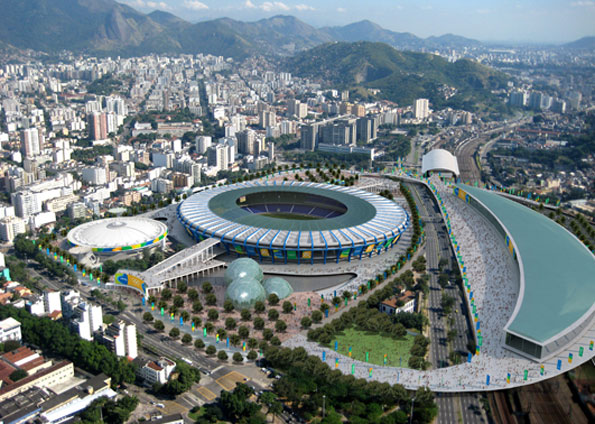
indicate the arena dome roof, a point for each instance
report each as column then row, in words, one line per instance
column 279, row 286
column 243, row 268
column 118, row 234
column 439, row 160
column 245, row 292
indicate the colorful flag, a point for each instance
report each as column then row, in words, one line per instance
column 541, row 370
column 525, row 375
column 559, row 364
column 508, row 377
column 336, row 362
column 488, row 380
column 570, row 358
column 367, row 356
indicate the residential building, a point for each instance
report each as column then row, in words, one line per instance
column 11, row 226
column 157, row 371
column 120, row 338
column 421, row 109
column 98, row 126
column 95, row 175
column 31, row 142
column 203, row 142
column 405, row 302
column 10, row 329
column 87, row 319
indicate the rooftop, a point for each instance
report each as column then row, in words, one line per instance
column 558, row 270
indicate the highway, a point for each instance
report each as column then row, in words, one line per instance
column 451, row 408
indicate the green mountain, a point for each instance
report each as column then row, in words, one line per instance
column 585, row 43
column 400, row 76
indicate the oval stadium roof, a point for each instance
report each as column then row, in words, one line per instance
column 439, row 160
column 558, row 291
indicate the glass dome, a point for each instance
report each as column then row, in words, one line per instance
column 279, row 286
column 245, row 292
column 243, row 268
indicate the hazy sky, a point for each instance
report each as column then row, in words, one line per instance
column 502, row 20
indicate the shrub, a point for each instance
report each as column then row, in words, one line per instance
column 199, row 344
column 237, row 357
column 222, row 356
column 273, row 314
column 211, row 350
column 273, row 299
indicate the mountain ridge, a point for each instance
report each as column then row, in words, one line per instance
column 107, row 27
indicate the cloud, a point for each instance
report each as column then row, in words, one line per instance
column 269, row 6
column 303, row 7
column 583, row 3
column 195, row 5
column 249, row 5
column 157, row 5
column 341, row 10
column 483, row 11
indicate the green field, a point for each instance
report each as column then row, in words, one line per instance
column 376, row 345
column 287, row 215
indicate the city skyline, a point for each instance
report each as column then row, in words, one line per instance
column 550, row 21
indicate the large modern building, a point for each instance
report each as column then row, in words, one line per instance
column 556, row 302
column 115, row 235
column 298, row 222
column 439, row 160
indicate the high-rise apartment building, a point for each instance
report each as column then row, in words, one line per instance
column 421, row 109
column 87, row 319
column 11, row 226
column 97, row 126
column 31, row 142
column 309, row 137
column 26, row 203
column 120, row 338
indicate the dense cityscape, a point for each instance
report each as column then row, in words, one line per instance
column 368, row 228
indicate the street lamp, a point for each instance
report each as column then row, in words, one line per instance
column 323, row 405
column 411, row 413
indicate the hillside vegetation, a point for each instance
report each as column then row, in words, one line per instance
column 401, row 76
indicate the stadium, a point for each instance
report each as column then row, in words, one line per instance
column 111, row 236
column 294, row 221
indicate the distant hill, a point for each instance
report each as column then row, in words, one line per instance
column 401, row 76
column 585, row 43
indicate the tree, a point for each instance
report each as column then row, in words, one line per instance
column 178, row 301
column 230, row 323
column 273, row 314
column 273, row 299
column 207, row 287
column 199, row 344
column 182, row 287
column 196, row 307
column 243, row 332
column 252, row 355
column 316, row 316
column 246, row 315
column 234, row 339
column 147, row 317
column 211, row 350
column 193, row 295
column 228, row 306
column 166, row 294
column 237, row 357
column 18, row 374
column 159, row 326
column 259, row 307
column 267, row 334
column 447, row 303
column 211, row 299
column 212, row 315
column 186, row 338
column 287, row 307
column 222, row 356
column 306, row 322
column 275, row 341
column 174, row 333
column 258, row 323
column 280, row 326
column 186, row 377
column 185, row 315
column 196, row 321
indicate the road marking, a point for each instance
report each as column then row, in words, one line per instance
column 217, row 369
column 206, row 393
column 229, row 381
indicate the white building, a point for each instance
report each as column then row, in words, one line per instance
column 421, row 109
column 203, row 142
column 10, row 329
column 26, row 203
column 94, row 175
column 120, row 338
column 87, row 319
column 52, row 301
column 157, row 371
column 165, row 160
column 31, row 142
column 10, row 226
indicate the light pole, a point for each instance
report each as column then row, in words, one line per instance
column 323, row 405
column 411, row 413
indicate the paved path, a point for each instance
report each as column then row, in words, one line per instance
column 494, row 360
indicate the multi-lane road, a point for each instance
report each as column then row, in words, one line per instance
column 463, row 408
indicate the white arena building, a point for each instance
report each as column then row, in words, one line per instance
column 111, row 236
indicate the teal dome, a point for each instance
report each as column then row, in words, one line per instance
column 279, row 286
column 245, row 292
column 243, row 268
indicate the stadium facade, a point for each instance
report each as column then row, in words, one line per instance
column 297, row 222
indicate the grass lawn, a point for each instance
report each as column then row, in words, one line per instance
column 196, row 415
column 377, row 346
